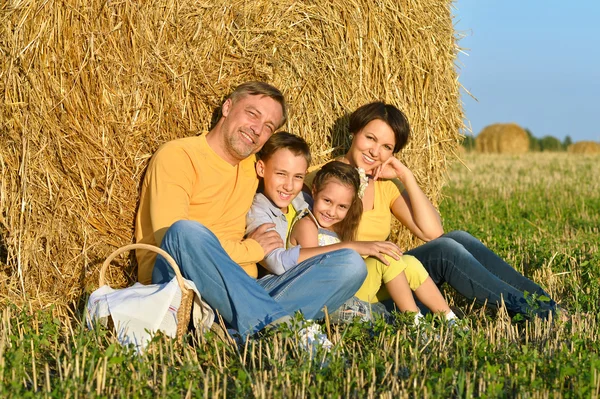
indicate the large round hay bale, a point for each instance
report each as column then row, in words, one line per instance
column 91, row 88
column 504, row 138
column 584, row 147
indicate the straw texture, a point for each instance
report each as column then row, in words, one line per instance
column 92, row 88
column 504, row 138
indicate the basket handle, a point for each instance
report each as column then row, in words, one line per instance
column 148, row 247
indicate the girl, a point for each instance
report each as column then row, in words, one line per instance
column 335, row 217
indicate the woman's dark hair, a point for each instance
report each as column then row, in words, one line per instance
column 385, row 112
column 347, row 175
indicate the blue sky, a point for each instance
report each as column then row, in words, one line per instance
column 533, row 62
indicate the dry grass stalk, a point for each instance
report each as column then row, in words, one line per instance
column 504, row 138
column 92, row 88
column 584, row 147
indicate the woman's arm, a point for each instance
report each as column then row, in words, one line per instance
column 305, row 234
column 412, row 208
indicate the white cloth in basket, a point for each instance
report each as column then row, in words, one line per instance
column 141, row 310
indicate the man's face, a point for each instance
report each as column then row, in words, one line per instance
column 283, row 176
column 248, row 123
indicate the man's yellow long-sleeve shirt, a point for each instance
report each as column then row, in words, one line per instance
column 187, row 180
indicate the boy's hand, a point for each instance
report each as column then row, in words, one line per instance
column 268, row 239
column 378, row 249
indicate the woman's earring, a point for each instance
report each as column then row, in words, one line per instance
column 351, row 136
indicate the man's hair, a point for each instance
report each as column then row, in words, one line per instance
column 386, row 113
column 347, row 175
column 284, row 140
column 258, row 89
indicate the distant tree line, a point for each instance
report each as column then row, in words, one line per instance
column 546, row 143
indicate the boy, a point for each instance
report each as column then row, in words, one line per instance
column 282, row 165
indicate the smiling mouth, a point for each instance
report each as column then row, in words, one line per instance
column 284, row 196
column 247, row 137
column 367, row 159
column 326, row 218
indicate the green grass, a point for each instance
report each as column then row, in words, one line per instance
column 539, row 211
column 533, row 210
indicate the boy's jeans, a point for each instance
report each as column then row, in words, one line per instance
column 247, row 304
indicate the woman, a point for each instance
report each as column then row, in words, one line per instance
column 380, row 130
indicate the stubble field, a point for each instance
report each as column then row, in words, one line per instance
column 539, row 211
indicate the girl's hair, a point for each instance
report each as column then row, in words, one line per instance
column 347, row 175
column 386, row 113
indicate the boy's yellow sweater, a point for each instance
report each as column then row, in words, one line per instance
column 187, row 180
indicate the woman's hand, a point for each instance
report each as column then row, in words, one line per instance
column 377, row 249
column 392, row 168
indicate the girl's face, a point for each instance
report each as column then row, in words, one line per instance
column 372, row 145
column 331, row 204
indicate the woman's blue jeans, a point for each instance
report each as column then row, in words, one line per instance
column 248, row 304
column 479, row 274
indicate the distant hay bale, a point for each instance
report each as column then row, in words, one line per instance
column 584, row 147
column 91, row 88
column 504, row 138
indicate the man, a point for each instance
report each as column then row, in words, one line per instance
column 194, row 200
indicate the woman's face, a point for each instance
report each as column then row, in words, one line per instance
column 372, row 146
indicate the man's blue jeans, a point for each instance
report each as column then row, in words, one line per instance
column 478, row 273
column 248, row 304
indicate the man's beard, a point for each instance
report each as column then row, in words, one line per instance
column 238, row 149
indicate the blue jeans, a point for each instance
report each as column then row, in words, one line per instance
column 247, row 304
column 479, row 274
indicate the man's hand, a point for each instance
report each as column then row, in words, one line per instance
column 377, row 249
column 268, row 239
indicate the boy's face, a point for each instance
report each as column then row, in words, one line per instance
column 283, row 176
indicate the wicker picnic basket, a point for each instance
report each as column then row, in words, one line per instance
column 187, row 295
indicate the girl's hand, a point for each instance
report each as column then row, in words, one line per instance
column 392, row 168
column 377, row 249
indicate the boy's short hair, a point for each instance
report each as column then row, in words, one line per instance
column 284, row 140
